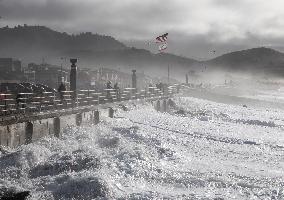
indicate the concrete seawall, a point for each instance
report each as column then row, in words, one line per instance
column 16, row 134
column 24, row 129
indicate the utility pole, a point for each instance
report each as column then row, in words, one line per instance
column 59, row 81
column 186, row 78
column 134, row 80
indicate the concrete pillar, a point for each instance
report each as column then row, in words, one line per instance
column 110, row 112
column 73, row 78
column 96, row 117
column 158, row 105
column 165, row 105
column 56, row 125
column 79, row 119
column 29, row 132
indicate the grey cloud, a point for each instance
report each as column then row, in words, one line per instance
column 194, row 26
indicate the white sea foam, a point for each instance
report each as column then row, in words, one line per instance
column 207, row 151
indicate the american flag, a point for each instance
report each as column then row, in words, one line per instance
column 163, row 47
column 162, row 38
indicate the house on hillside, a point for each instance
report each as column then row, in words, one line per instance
column 50, row 75
column 11, row 70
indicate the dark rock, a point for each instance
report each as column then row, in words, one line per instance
column 172, row 104
column 82, row 188
column 74, row 162
column 180, row 112
column 10, row 194
column 123, row 107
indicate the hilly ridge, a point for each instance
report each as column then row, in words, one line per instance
column 254, row 59
column 33, row 43
column 24, row 40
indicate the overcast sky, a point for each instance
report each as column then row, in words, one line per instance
column 195, row 27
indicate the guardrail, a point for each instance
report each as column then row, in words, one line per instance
column 24, row 103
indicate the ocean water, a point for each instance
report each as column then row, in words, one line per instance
column 269, row 95
column 197, row 150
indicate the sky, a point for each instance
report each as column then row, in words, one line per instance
column 198, row 29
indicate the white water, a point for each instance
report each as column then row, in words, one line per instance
column 207, row 151
column 268, row 95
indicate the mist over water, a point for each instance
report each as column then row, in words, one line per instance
column 199, row 150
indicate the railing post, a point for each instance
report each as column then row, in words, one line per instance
column 110, row 112
column 158, row 105
column 29, row 132
column 56, row 125
column 96, row 117
column 145, row 93
column 88, row 97
column 165, row 105
column 79, row 119
column 5, row 102
column 54, row 102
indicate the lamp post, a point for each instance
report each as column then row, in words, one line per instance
column 73, row 78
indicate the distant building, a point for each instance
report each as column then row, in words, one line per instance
column 101, row 76
column 10, row 65
column 29, row 76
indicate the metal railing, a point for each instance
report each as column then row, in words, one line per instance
column 25, row 103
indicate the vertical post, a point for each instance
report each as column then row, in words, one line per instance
column 79, row 119
column 88, row 99
column 5, row 100
column 73, row 78
column 110, row 112
column 96, row 117
column 168, row 74
column 186, row 78
column 56, row 125
column 158, row 105
column 165, row 105
column 134, row 84
column 29, row 132
column 134, row 80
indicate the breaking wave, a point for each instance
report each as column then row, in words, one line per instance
column 207, row 151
